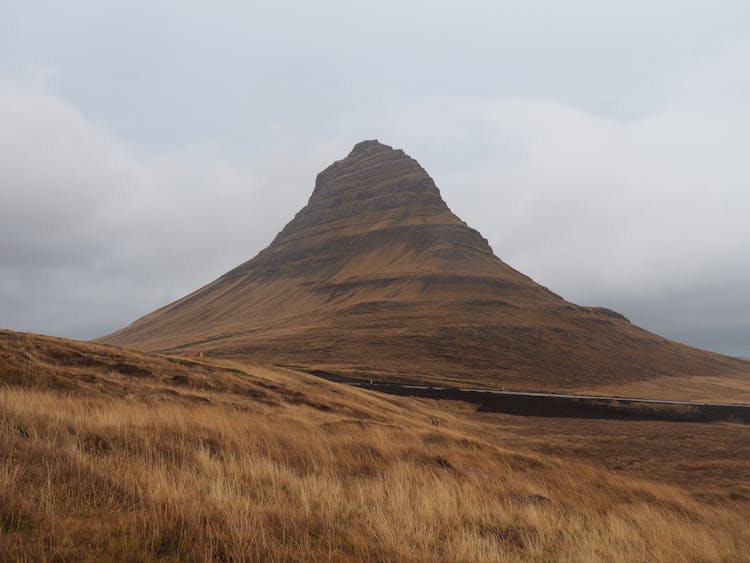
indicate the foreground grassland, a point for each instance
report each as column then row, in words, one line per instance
column 112, row 455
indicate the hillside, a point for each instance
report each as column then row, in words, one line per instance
column 110, row 454
column 376, row 277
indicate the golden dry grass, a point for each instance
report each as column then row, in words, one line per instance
column 731, row 388
column 141, row 468
column 92, row 479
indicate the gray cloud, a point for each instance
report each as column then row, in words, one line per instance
column 602, row 151
column 93, row 234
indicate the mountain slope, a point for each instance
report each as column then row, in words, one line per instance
column 376, row 276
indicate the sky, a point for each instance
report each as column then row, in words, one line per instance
column 601, row 147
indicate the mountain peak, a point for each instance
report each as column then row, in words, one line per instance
column 372, row 165
column 376, row 275
column 371, row 145
column 373, row 185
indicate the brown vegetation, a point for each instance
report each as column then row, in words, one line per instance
column 112, row 455
column 729, row 388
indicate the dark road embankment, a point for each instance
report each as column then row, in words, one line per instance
column 559, row 405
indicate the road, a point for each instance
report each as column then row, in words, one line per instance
column 528, row 403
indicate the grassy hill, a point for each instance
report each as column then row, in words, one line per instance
column 110, row 454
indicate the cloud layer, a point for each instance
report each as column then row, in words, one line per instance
column 93, row 234
column 117, row 198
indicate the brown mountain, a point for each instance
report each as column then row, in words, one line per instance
column 375, row 276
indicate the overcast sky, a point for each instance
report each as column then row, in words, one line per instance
column 603, row 148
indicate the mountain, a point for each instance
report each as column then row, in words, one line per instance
column 376, row 277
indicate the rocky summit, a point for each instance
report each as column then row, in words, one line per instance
column 376, row 277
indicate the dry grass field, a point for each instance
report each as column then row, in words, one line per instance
column 108, row 454
column 711, row 461
column 730, row 388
